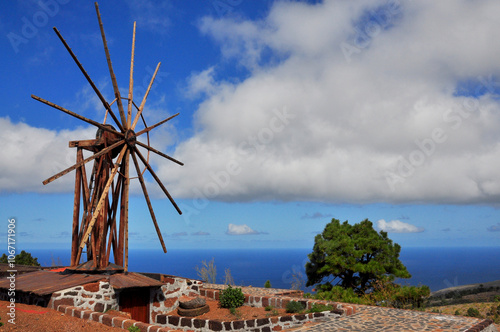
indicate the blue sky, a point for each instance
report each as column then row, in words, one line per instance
column 291, row 113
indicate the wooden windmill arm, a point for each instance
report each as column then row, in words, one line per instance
column 98, row 93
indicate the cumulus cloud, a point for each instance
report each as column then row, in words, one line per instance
column 397, row 226
column 494, row 228
column 244, row 229
column 379, row 121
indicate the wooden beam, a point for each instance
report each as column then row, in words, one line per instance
column 159, row 153
column 110, row 67
column 124, row 206
column 76, row 210
column 94, row 87
column 82, row 143
column 92, row 122
column 141, row 108
column 145, row 130
column 144, row 161
column 103, row 195
column 83, row 162
column 131, row 82
column 150, row 207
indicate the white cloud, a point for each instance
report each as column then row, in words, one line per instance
column 397, row 226
column 384, row 127
column 30, row 155
column 233, row 229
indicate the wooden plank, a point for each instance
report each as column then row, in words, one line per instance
column 103, row 195
column 82, row 143
column 124, row 206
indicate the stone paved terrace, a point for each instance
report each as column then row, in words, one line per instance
column 378, row 319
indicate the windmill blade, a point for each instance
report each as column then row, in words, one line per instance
column 144, row 161
column 131, row 82
column 98, row 93
column 110, row 66
column 69, row 169
column 150, row 207
column 92, row 122
column 145, row 130
column 159, row 153
column 102, row 200
column 141, row 108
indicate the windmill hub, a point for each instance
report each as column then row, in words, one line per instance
column 130, row 137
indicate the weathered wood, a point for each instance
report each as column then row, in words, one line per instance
column 141, row 108
column 150, row 207
column 92, row 122
column 110, row 67
column 131, row 82
column 124, row 207
column 145, row 130
column 83, row 162
column 94, row 87
column 157, row 180
column 82, row 143
column 76, row 210
column 159, row 153
column 103, row 195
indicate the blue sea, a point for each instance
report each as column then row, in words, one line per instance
column 435, row 267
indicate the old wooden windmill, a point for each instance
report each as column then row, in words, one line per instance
column 103, row 226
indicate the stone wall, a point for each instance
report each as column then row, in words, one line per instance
column 166, row 298
column 97, row 296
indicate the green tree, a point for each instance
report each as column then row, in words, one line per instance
column 24, row 258
column 267, row 284
column 353, row 257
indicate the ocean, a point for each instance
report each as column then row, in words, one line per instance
column 437, row 268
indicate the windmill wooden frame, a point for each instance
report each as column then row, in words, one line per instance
column 104, row 196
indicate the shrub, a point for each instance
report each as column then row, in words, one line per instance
column 457, row 312
column 267, row 284
column 294, row 307
column 316, row 307
column 473, row 312
column 231, row 297
column 268, row 308
column 134, row 329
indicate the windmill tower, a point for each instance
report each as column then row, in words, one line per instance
column 100, row 211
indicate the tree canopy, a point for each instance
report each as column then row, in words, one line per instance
column 353, row 256
column 24, row 258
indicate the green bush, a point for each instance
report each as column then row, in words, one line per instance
column 268, row 308
column 294, row 307
column 473, row 312
column 316, row 307
column 134, row 329
column 457, row 312
column 267, row 284
column 231, row 297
